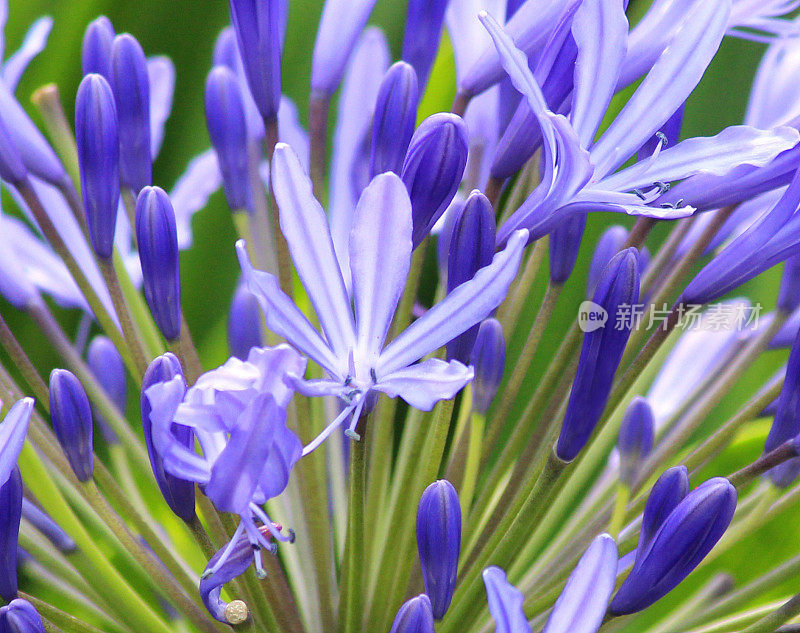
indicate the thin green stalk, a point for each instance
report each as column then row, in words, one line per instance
column 351, row 599
column 769, row 623
column 620, row 506
column 522, row 365
column 65, row 621
column 665, row 253
column 396, row 566
column 457, row 457
column 318, row 107
column 23, row 363
column 48, row 102
column 183, row 347
column 129, row 330
column 121, row 596
column 103, row 316
column 477, row 423
column 510, row 309
column 140, row 312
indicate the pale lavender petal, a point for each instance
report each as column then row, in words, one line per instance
column 667, row 85
column 583, row 602
column 161, row 73
column 290, row 130
column 380, row 257
column 774, row 98
column 467, row 305
column 426, row 383
column 505, row 602
column 283, row 317
column 3, row 20
column 12, row 436
column 33, row 44
column 340, row 26
column 715, row 155
column 351, row 140
column 305, row 227
column 192, row 191
column 600, row 29
column 467, row 35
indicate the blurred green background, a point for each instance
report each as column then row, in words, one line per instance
column 186, row 30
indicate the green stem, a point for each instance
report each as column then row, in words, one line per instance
column 48, row 102
column 509, row 311
column 140, row 312
column 477, row 424
column 620, row 506
column 63, row 620
column 23, row 364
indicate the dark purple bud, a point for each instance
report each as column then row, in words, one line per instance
column 10, row 514
column 215, row 576
column 20, row 616
column 609, row 244
column 786, row 423
column 260, row 28
column 96, row 52
column 72, row 421
column 607, row 329
column 565, row 242
column 178, row 493
column 245, row 324
column 439, row 542
column 108, row 367
column 687, row 535
column 157, row 239
column 423, row 33
column 394, row 119
column 98, row 154
column 12, row 167
column 668, row 491
column 635, row 437
column 227, row 127
column 488, row 360
column 433, row 168
column 472, row 242
column 42, row 522
column 789, row 294
column 414, row 616
column 131, row 86
column 668, row 135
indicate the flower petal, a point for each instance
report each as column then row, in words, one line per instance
column 424, row 384
column 305, row 226
column 672, row 78
column 380, row 257
column 505, row 602
column 282, row 316
column 467, row 305
column 12, row 436
column 192, row 191
column 33, row 44
column 716, row 155
column 161, row 73
column 600, row 29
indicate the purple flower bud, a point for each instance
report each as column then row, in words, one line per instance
column 423, row 33
column 789, row 295
column 394, row 119
column 260, row 28
column 157, row 238
column 108, row 367
column 227, row 127
column 20, row 616
column 98, row 155
column 689, row 533
column 601, row 352
column 42, row 522
column 488, row 360
column 244, row 323
column 178, row 493
column 339, row 29
column 72, row 421
column 12, row 167
column 433, row 168
column 96, row 52
column 472, row 243
column 668, row 491
column 635, row 437
column 414, row 616
column 565, row 242
column 131, row 86
column 786, row 423
column 11, row 506
column 439, row 542
column 609, row 244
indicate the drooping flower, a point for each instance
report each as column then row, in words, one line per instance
column 352, row 353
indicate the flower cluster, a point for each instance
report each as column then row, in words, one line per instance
column 386, row 385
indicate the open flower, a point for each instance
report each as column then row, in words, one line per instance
column 352, row 352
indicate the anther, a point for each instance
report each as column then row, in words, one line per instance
column 236, row 612
column 352, row 435
column 373, row 374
